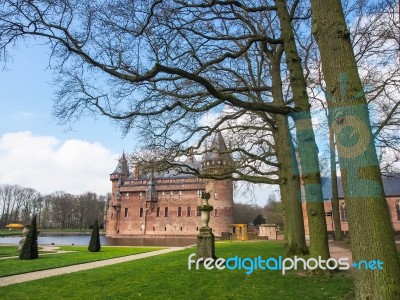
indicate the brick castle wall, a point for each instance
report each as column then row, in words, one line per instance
column 175, row 212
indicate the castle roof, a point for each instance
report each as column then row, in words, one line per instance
column 391, row 186
column 122, row 166
column 218, row 149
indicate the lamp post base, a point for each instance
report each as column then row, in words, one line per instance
column 206, row 243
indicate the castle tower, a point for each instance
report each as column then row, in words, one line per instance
column 217, row 160
column 118, row 177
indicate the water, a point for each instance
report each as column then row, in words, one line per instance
column 83, row 240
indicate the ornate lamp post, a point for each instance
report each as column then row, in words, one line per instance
column 205, row 239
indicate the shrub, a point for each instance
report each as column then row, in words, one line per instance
column 94, row 244
column 30, row 247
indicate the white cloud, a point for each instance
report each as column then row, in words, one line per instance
column 47, row 164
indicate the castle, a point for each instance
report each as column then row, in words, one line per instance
column 165, row 204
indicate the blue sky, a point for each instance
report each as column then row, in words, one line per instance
column 37, row 152
column 26, row 101
column 28, row 130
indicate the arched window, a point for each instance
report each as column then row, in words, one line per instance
column 343, row 212
column 398, row 210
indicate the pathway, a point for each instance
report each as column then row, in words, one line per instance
column 338, row 249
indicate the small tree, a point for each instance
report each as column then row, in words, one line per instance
column 94, row 244
column 259, row 220
column 30, row 247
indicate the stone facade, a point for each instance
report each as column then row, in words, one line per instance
column 271, row 231
column 165, row 205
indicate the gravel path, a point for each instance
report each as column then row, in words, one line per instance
column 76, row 268
column 340, row 249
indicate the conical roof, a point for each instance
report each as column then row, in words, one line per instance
column 122, row 167
column 218, row 149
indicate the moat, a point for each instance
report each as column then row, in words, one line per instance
column 83, row 240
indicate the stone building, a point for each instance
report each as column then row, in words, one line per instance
column 165, row 205
column 391, row 187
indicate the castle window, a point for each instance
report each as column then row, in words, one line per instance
column 181, row 228
column 165, row 228
column 154, row 229
column 126, row 212
column 126, row 195
column 198, row 213
column 216, row 212
column 188, row 211
column 171, row 194
column 140, row 195
column 179, row 211
column 158, row 212
column 141, row 212
column 398, row 210
column 198, row 193
column 215, row 195
column 166, row 212
column 180, row 194
column 162, row 194
column 343, row 212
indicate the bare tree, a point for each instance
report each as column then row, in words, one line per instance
column 363, row 188
column 62, row 209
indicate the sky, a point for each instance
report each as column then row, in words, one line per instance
column 37, row 152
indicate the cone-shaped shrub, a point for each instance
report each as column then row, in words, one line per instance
column 94, row 245
column 30, row 247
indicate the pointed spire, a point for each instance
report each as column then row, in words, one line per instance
column 122, row 166
column 218, row 150
column 218, row 143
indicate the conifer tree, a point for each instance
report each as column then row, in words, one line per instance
column 30, row 247
column 94, row 244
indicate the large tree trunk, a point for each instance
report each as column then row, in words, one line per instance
column 369, row 220
column 288, row 171
column 335, row 195
column 290, row 190
column 308, row 151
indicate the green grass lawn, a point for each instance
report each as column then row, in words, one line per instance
column 10, row 232
column 14, row 266
column 167, row 277
column 7, row 251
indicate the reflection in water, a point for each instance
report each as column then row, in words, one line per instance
column 168, row 242
column 83, row 240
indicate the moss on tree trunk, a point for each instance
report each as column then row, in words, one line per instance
column 308, row 152
column 288, row 169
column 368, row 216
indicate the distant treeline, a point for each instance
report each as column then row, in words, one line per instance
column 57, row 210
column 271, row 213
